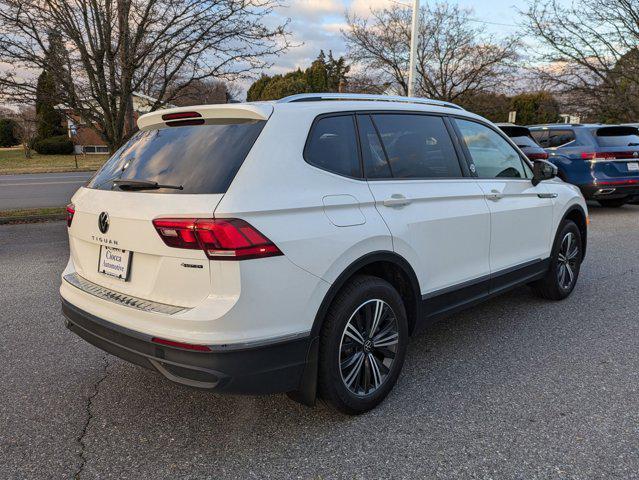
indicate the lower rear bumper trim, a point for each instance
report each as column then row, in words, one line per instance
column 271, row 368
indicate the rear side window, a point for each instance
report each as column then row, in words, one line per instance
column 416, row 146
column 558, row 138
column 332, row 146
column 200, row 159
column 540, row 136
column 617, row 137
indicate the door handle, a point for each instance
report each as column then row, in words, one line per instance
column 494, row 195
column 396, row 200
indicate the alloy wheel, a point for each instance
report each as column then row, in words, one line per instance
column 567, row 261
column 368, row 347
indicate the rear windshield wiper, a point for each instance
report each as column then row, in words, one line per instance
column 143, row 185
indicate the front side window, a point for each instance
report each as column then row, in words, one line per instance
column 332, row 146
column 492, row 155
column 416, row 146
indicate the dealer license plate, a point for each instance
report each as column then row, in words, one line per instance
column 115, row 262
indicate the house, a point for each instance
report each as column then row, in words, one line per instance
column 88, row 141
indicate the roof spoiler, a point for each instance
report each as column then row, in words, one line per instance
column 196, row 114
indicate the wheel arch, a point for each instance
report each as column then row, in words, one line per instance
column 384, row 264
column 577, row 214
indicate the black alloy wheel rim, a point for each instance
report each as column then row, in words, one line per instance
column 567, row 261
column 368, row 347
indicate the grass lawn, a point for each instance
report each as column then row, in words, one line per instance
column 27, row 215
column 12, row 161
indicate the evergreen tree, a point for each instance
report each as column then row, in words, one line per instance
column 337, row 71
column 7, row 132
column 324, row 75
column 534, row 108
column 47, row 93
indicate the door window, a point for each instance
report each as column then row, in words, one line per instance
column 491, row 154
column 414, row 146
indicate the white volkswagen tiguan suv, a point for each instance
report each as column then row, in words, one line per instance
column 295, row 246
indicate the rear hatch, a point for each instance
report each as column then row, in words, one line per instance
column 617, row 155
column 179, row 165
column 522, row 137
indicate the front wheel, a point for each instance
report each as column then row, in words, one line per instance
column 565, row 263
column 362, row 345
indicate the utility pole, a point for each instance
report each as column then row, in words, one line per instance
column 414, row 35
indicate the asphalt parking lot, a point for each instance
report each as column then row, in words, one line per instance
column 515, row 388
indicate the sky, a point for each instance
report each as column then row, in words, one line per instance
column 316, row 24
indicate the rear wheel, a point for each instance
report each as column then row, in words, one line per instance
column 613, row 203
column 362, row 345
column 565, row 263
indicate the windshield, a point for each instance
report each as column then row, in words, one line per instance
column 200, row 159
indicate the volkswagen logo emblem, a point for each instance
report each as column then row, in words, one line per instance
column 103, row 222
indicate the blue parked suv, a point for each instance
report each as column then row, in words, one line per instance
column 602, row 160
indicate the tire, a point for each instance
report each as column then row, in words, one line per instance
column 356, row 372
column 613, row 203
column 557, row 285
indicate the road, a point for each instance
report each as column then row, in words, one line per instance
column 517, row 388
column 39, row 189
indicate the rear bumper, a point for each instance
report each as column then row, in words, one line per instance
column 253, row 369
column 603, row 192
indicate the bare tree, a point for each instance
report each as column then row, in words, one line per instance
column 363, row 82
column 26, row 128
column 101, row 52
column 205, row 92
column 588, row 51
column 454, row 56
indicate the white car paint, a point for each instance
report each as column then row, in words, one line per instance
column 449, row 233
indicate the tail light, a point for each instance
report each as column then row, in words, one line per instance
column 220, row 239
column 538, row 156
column 70, row 213
column 607, row 155
column 627, row 181
column 181, row 119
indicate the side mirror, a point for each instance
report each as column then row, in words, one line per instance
column 543, row 170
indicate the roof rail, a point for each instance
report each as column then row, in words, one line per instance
column 316, row 97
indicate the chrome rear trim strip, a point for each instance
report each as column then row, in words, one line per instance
column 120, row 298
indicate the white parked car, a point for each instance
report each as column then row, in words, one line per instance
column 296, row 246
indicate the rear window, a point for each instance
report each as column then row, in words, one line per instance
column 200, row 159
column 520, row 135
column 524, row 142
column 617, row 137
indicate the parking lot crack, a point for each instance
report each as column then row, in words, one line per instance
column 89, row 417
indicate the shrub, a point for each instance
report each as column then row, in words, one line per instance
column 58, row 145
column 7, row 132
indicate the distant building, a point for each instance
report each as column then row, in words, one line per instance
column 87, row 140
